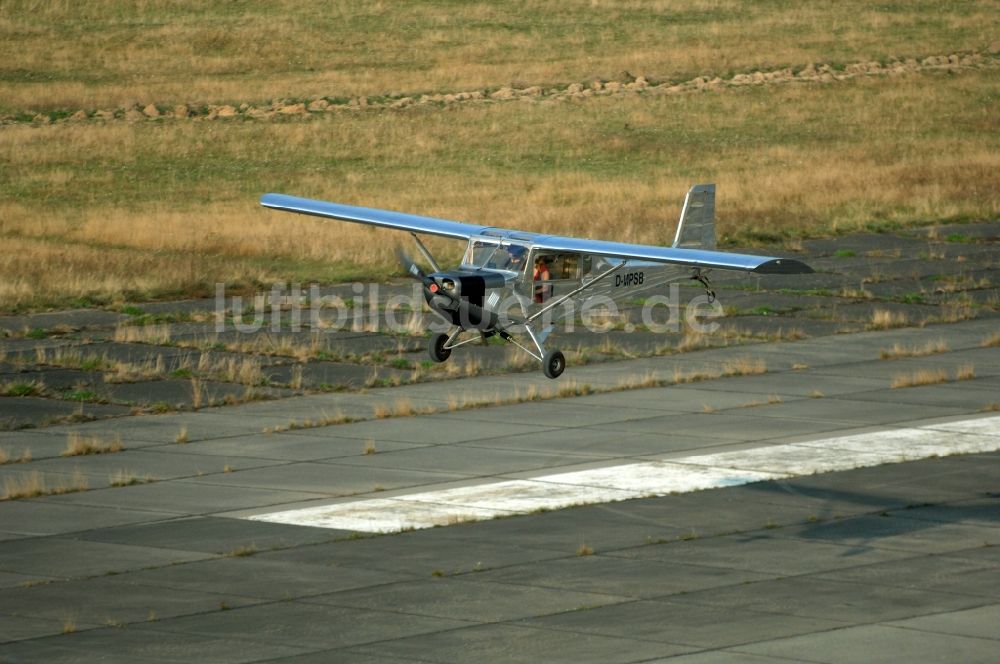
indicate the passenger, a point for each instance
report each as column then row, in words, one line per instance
column 542, row 291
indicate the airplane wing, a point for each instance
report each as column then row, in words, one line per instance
column 398, row 220
column 455, row 229
column 690, row 257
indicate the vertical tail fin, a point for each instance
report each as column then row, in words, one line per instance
column 696, row 229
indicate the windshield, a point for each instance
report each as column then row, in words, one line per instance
column 491, row 255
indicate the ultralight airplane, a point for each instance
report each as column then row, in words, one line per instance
column 542, row 272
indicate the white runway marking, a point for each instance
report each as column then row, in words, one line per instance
column 647, row 479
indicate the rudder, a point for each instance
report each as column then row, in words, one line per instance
column 696, row 228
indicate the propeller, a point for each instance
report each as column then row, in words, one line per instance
column 410, row 266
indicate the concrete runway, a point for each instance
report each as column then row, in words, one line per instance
column 891, row 562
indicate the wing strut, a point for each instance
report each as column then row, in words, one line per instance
column 427, row 254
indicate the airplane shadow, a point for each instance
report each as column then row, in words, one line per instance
column 888, row 513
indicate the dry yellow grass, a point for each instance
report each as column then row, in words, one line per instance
column 6, row 457
column 594, row 168
column 744, row 366
column 73, row 358
column 124, row 477
column 572, row 388
column 369, row 447
column 243, row 551
column 130, row 372
column 403, row 408
column 692, row 340
column 197, row 398
column 26, row 485
column 921, row 377
column 646, row 379
column 883, row 319
column 296, row 378
column 772, row 399
column 156, row 51
column 681, row 376
column 146, row 334
column 78, row 444
column 182, row 435
column 899, row 350
column 245, row 370
column 991, row 341
column 965, row 372
column 957, row 310
column 32, row 485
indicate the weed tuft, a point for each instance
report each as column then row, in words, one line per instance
column 744, row 366
column 991, row 341
column 32, row 485
column 243, row 551
column 6, row 457
column 883, row 319
column 79, row 445
column 917, row 378
column 125, row 477
column 898, row 350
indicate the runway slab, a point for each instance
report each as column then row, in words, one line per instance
column 863, row 564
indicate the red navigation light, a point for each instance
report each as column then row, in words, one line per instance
column 433, row 288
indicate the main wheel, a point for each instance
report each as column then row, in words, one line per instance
column 553, row 364
column 436, row 348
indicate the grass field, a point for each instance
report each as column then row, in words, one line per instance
column 99, row 212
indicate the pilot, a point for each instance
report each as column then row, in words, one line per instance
column 515, row 258
column 542, row 291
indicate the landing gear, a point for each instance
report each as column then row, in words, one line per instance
column 438, row 349
column 553, row 364
column 702, row 279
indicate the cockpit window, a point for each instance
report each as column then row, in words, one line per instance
column 496, row 256
column 479, row 252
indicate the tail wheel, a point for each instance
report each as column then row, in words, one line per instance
column 436, row 348
column 553, row 364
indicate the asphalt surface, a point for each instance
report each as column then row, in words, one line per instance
column 887, row 563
